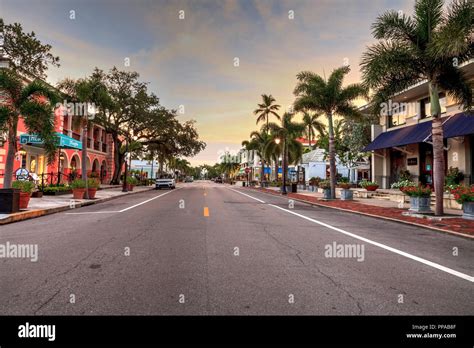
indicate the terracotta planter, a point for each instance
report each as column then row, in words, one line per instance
column 92, row 192
column 78, row 193
column 24, row 199
column 130, row 187
column 372, row 187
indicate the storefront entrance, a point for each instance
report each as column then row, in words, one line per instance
column 426, row 164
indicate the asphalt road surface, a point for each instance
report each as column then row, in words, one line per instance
column 208, row 248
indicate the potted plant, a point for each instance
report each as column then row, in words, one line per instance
column 420, row 198
column 346, row 193
column 78, row 188
column 92, row 186
column 325, row 185
column 131, row 182
column 26, row 189
column 465, row 195
column 369, row 185
column 314, row 183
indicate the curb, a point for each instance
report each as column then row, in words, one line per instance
column 21, row 216
column 462, row 235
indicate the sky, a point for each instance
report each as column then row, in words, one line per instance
column 217, row 60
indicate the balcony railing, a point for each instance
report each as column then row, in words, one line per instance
column 76, row 136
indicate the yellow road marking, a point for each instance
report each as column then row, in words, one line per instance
column 206, row 211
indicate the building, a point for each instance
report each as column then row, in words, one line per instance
column 68, row 164
column 402, row 140
column 315, row 164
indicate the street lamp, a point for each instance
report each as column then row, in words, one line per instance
column 283, row 188
column 3, row 139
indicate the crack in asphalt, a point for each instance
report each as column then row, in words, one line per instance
column 46, row 302
column 298, row 252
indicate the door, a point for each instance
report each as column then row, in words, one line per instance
column 426, row 164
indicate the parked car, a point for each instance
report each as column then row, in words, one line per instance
column 165, row 183
column 218, row 180
column 189, row 179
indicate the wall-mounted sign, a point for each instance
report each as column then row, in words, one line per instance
column 412, row 161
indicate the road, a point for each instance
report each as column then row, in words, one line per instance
column 208, row 248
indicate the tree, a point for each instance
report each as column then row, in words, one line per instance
column 329, row 98
column 428, row 46
column 257, row 142
column 35, row 102
column 84, row 92
column 26, row 53
column 312, row 125
column 263, row 112
column 286, row 134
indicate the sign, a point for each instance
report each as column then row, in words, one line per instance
column 248, row 170
column 63, row 141
column 22, row 174
column 412, row 161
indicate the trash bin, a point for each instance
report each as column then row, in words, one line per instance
column 9, row 201
column 243, row 183
column 294, row 188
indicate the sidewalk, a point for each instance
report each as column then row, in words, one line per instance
column 54, row 204
column 387, row 210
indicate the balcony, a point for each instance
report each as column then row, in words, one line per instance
column 96, row 146
column 76, row 136
column 104, row 147
column 89, row 143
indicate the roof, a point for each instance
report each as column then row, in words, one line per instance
column 453, row 126
column 313, row 156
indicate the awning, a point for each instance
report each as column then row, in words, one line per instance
column 454, row 126
column 63, row 142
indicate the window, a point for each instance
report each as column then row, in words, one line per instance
column 398, row 116
column 425, row 106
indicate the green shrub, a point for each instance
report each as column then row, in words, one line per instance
column 454, row 176
column 314, row 181
column 24, row 186
column 325, row 184
column 366, row 183
column 131, row 180
column 403, row 183
column 78, row 184
column 405, row 175
column 93, row 183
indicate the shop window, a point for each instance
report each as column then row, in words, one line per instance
column 33, row 164
column 425, row 106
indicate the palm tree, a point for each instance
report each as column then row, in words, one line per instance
column 428, row 46
column 329, row 98
column 86, row 92
column 263, row 112
column 312, row 125
column 257, row 142
column 286, row 134
column 35, row 102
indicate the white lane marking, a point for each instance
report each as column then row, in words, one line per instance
column 148, row 200
column 94, row 212
column 247, row 195
column 383, row 246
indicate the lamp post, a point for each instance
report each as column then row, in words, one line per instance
column 125, row 174
column 283, row 188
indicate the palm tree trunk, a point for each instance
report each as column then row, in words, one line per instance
column 285, row 165
column 276, row 168
column 117, row 160
column 332, row 157
column 438, row 148
column 8, row 173
column 262, row 172
column 84, row 157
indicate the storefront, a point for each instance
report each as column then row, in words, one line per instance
column 409, row 150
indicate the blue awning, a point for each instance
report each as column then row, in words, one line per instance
column 454, row 126
column 63, row 142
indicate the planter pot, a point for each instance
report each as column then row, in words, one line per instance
column 24, row 199
column 78, row 193
column 420, row 205
column 9, row 201
column 372, row 187
column 468, row 210
column 326, row 193
column 37, row 194
column 347, row 195
column 91, row 192
column 130, row 187
column 57, row 193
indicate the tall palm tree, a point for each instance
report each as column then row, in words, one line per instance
column 257, row 142
column 35, row 102
column 266, row 108
column 85, row 91
column 263, row 112
column 428, row 46
column 329, row 98
column 287, row 133
column 312, row 125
